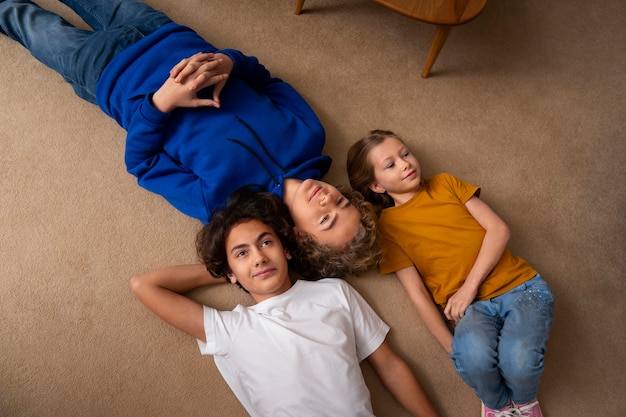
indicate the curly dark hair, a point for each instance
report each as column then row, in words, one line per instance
column 248, row 203
column 314, row 260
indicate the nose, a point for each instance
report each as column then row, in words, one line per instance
column 324, row 199
column 258, row 257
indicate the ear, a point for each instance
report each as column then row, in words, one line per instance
column 232, row 278
column 300, row 235
column 287, row 254
column 376, row 188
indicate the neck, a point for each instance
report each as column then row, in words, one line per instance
column 402, row 198
column 290, row 186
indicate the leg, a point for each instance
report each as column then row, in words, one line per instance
column 523, row 337
column 475, row 353
column 78, row 55
column 298, row 8
column 441, row 35
column 107, row 14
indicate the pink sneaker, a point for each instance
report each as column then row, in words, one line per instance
column 530, row 409
column 508, row 411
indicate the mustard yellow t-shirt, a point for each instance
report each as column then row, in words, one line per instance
column 435, row 232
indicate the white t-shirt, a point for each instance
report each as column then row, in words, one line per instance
column 297, row 354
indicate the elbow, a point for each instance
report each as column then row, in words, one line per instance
column 500, row 230
column 505, row 232
column 136, row 285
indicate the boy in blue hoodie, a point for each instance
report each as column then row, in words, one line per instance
column 201, row 122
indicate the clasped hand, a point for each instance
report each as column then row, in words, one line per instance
column 190, row 76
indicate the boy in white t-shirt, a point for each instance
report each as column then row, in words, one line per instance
column 297, row 350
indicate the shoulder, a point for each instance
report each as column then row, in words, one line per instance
column 459, row 188
column 443, row 179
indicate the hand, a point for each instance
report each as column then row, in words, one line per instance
column 458, row 303
column 190, row 76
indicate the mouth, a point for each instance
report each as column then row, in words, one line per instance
column 410, row 175
column 265, row 273
column 315, row 192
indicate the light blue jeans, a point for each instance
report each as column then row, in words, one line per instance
column 79, row 55
column 499, row 345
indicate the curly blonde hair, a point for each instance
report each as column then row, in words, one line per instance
column 314, row 260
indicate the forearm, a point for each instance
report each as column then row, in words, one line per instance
column 426, row 308
column 162, row 291
column 491, row 250
column 494, row 242
column 436, row 325
column 179, row 279
column 402, row 383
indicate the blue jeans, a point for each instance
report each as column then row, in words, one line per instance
column 499, row 345
column 79, row 55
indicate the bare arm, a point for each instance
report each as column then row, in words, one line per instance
column 162, row 292
column 400, row 380
column 497, row 235
column 426, row 308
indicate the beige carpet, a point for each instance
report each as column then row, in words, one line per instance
column 527, row 101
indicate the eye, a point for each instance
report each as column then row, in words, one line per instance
column 324, row 219
column 240, row 254
column 341, row 200
column 266, row 243
column 390, row 165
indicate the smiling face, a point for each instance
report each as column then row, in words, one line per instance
column 320, row 210
column 257, row 260
column 396, row 170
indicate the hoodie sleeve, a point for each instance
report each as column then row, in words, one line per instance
column 155, row 170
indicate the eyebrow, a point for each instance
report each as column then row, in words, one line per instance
column 245, row 245
column 347, row 204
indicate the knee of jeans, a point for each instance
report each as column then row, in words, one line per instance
column 520, row 363
column 473, row 354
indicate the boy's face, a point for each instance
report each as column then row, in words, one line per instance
column 319, row 209
column 257, row 260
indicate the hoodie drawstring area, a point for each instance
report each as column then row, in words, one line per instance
column 251, row 151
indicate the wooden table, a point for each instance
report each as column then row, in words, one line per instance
column 445, row 14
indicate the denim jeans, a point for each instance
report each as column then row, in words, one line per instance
column 499, row 345
column 79, row 55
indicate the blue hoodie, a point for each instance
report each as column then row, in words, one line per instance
column 195, row 158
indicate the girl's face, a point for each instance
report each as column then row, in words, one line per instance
column 320, row 210
column 396, row 170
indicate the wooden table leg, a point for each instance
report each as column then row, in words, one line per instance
column 441, row 34
column 299, row 4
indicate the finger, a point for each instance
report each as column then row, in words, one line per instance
column 205, row 79
column 200, row 73
column 208, row 68
column 178, row 68
column 190, row 65
column 218, row 88
column 190, row 68
column 206, row 102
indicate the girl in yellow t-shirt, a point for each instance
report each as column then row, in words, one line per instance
column 446, row 245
